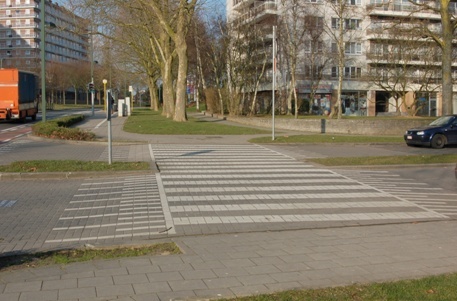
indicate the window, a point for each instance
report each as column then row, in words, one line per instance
column 348, row 23
column 334, row 48
column 353, row 48
column 313, row 46
column 18, row 42
column 349, row 72
column 352, row 72
column 307, row 46
column 354, row 2
column 313, row 71
column 352, row 24
column 314, row 22
column 27, row 52
column 379, row 49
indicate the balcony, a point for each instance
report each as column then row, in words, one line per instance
column 258, row 13
column 396, row 9
column 407, row 59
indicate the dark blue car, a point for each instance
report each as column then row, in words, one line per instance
column 441, row 132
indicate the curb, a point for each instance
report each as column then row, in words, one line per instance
column 68, row 175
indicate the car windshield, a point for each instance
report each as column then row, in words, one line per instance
column 442, row 120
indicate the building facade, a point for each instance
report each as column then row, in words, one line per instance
column 20, row 35
column 388, row 68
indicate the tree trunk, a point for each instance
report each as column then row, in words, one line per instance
column 168, row 95
column 181, row 83
column 447, row 82
column 153, row 93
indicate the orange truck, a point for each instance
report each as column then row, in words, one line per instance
column 18, row 95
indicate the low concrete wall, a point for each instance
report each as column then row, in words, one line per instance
column 370, row 126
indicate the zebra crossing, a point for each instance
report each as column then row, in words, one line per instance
column 206, row 189
column 112, row 208
column 421, row 194
column 216, row 188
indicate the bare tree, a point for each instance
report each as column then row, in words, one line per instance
column 402, row 66
column 443, row 36
column 344, row 31
column 295, row 23
column 316, row 57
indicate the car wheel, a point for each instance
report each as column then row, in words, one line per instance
column 438, row 141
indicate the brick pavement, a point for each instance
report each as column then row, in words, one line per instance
column 228, row 265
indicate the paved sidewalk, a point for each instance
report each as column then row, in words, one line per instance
column 229, row 265
column 246, row 264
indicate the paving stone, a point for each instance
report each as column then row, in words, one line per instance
column 95, row 281
column 59, row 284
column 48, row 295
column 115, row 290
column 226, row 282
column 9, row 297
column 129, row 279
column 184, row 285
column 153, row 287
column 29, row 286
column 77, row 293
column 164, row 276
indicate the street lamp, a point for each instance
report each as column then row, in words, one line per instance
column 92, row 92
column 104, row 93
column 43, row 60
column 108, row 117
column 43, row 57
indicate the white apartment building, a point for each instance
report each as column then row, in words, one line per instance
column 373, row 52
column 20, row 35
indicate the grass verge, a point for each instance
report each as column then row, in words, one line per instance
column 432, row 288
column 149, row 122
column 386, row 160
column 81, row 255
column 329, row 138
column 71, row 165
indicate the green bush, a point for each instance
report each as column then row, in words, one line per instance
column 60, row 129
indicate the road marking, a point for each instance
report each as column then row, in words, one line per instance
column 208, row 184
column 111, row 208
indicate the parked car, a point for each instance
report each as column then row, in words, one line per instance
column 441, row 132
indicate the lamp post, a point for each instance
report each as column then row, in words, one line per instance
column 105, row 97
column 43, row 60
column 43, row 56
column 108, row 118
column 92, row 92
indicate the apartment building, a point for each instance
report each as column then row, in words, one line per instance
column 20, row 35
column 387, row 66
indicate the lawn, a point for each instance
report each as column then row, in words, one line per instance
column 144, row 121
